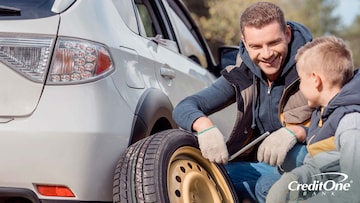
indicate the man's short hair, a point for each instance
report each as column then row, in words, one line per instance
column 260, row 14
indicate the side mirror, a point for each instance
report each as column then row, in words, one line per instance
column 227, row 56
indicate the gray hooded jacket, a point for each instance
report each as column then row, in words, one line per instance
column 333, row 146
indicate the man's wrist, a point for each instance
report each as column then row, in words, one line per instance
column 205, row 130
column 291, row 133
column 202, row 123
column 298, row 131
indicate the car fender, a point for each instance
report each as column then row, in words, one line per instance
column 153, row 113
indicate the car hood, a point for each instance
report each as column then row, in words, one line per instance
column 20, row 95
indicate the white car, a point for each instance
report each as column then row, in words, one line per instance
column 81, row 81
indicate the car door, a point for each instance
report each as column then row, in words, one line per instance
column 182, row 60
column 178, row 75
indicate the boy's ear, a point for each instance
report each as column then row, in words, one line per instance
column 317, row 80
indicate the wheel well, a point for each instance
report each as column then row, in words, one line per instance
column 153, row 114
column 160, row 125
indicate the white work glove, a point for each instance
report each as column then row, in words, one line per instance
column 280, row 193
column 212, row 145
column 274, row 148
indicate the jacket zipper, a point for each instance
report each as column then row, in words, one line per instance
column 269, row 101
column 269, row 89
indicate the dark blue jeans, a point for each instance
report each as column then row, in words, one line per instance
column 254, row 179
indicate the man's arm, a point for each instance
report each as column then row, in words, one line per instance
column 200, row 105
column 192, row 112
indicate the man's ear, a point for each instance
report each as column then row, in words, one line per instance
column 288, row 33
column 243, row 39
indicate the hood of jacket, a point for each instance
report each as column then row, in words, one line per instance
column 346, row 101
column 299, row 36
column 348, row 95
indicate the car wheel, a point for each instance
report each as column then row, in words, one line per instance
column 169, row 167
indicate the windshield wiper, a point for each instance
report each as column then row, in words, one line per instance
column 9, row 11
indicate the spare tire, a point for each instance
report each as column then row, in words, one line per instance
column 169, row 167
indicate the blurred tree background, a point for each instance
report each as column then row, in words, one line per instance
column 219, row 20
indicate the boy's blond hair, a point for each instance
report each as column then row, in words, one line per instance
column 328, row 55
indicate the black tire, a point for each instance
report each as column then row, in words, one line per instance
column 169, row 167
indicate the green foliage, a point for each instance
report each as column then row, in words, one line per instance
column 351, row 34
column 219, row 20
column 316, row 15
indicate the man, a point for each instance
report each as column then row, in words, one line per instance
column 265, row 87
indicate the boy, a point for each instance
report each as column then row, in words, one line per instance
column 331, row 168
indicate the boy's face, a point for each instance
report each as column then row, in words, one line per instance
column 307, row 86
column 267, row 47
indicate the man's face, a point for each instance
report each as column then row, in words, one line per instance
column 267, row 47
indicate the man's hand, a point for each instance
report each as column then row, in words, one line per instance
column 212, row 145
column 278, row 193
column 274, row 148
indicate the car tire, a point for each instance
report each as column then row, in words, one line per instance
column 169, row 167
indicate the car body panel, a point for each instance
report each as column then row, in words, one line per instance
column 182, row 70
column 19, row 96
column 58, row 145
column 38, row 26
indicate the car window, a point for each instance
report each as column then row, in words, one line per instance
column 127, row 13
column 189, row 42
column 153, row 18
column 25, row 9
column 156, row 24
column 146, row 20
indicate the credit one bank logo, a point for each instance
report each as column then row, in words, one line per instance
column 323, row 184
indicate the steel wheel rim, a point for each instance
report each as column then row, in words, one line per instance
column 192, row 178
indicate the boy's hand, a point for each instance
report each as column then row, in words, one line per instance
column 274, row 148
column 278, row 193
column 212, row 145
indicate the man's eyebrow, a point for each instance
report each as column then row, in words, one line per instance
column 277, row 40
